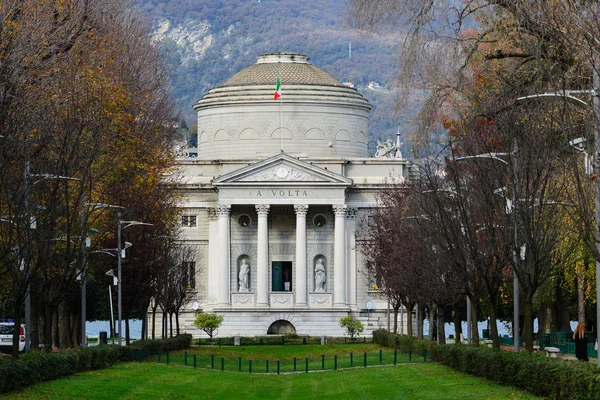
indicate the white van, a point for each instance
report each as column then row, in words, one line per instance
column 6, row 334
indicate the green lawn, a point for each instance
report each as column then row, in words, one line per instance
column 160, row 381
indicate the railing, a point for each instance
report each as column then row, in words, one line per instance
column 288, row 365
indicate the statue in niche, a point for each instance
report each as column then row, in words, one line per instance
column 244, row 276
column 320, row 276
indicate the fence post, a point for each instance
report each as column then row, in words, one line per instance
column 365, row 339
column 240, row 364
column 212, row 360
column 322, row 361
column 351, row 363
column 283, row 340
column 303, row 340
column 365, row 356
column 294, row 364
column 250, row 366
column 277, row 367
column 185, row 358
column 159, row 357
column 335, row 362
column 307, row 365
column 424, row 355
column 167, row 358
column 194, row 361
column 345, row 340
column 222, row 364
column 395, row 356
column 380, row 357
column 410, row 356
column 267, row 366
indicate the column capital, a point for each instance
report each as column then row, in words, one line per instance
column 301, row 210
column 212, row 213
column 262, row 209
column 351, row 213
column 222, row 210
column 340, row 210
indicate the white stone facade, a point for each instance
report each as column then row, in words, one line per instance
column 290, row 211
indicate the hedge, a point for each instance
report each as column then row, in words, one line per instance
column 279, row 340
column 178, row 342
column 38, row 367
column 536, row 373
column 400, row 342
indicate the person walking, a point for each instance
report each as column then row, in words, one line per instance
column 581, row 343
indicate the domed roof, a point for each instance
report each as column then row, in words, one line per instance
column 291, row 68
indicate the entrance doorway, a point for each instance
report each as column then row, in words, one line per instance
column 281, row 276
column 281, row 327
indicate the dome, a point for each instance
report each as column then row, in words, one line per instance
column 292, row 68
column 316, row 116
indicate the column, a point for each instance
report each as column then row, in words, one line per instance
column 214, row 260
column 351, row 257
column 224, row 256
column 301, row 255
column 262, row 257
column 339, row 259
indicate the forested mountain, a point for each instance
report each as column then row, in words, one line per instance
column 207, row 41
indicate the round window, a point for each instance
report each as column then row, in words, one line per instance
column 244, row 220
column 319, row 220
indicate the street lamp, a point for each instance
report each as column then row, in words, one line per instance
column 567, row 95
column 120, row 226
column 84, row 245
column 28, row 226
column 513, row 210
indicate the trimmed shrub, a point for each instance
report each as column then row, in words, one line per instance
column 536, row 373
column 178, row 342
column 400, row 342
column 38, row 367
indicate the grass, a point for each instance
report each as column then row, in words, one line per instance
column 261, row 359
column 160, row 381
column 150, row 380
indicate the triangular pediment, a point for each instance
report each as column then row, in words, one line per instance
column 282, row 169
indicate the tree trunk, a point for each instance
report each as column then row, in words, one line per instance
column 127, row 338
column 420, row 314
column 474, row 327
column 171, row 323
column 48, row 326
column 528, row 323
column 154, row 321
column 55, row 334
column 457, row 326
column 441, row 327
column 494, row 324
column 409, row 318
column 581, row 294
column 35, row 324
column 432, row 324
column 396, row 310
column 177, row 321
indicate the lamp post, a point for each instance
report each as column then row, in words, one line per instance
column 120, row 227
column 28, row 225
column 567, row 95
column 84, row 245
column 513, row 210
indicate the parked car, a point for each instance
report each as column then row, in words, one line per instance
column 6, row 333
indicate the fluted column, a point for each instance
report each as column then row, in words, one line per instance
column 301, row 255
column 262, row 257
column 224, row 249
column 339, row 257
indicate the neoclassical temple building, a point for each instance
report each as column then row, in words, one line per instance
column 273, row 198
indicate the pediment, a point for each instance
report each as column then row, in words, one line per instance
column 282, row 169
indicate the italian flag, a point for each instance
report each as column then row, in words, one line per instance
column 277, row 94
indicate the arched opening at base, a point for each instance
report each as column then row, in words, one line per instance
column 281, row 327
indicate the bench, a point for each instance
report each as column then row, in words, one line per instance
column 489, row 343
column 553, row 352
